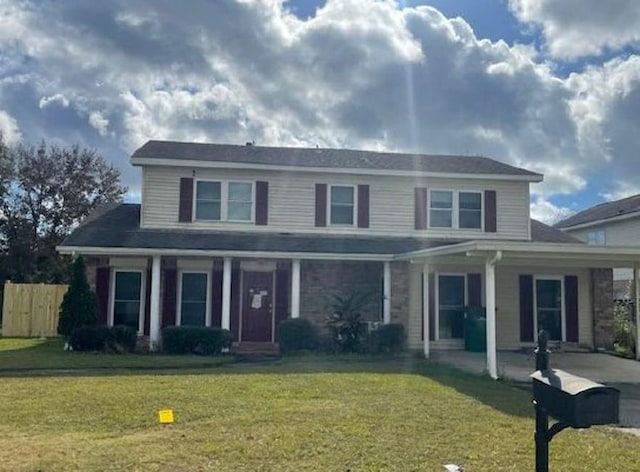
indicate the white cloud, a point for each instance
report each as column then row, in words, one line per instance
column 578, row 28
column 99, row 122
column 358, row 74
column 57, row 99
column 9, row 128
column 545, row 211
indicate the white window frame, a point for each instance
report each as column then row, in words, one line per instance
column 207, row 317
column 563, row 324
column 355, row 205
column 592, row 237
column 224, row 201
column 436, row 280
column 455, row 210
column 143, row 292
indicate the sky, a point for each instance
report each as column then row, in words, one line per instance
column 551, row 86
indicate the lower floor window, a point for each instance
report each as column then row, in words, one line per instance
column 193, row 298
column 451, row 302
column 127, row 298
column 549, row 307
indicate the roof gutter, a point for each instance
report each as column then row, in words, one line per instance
column 148, row 252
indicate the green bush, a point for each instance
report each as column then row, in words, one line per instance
column 388, row 338
column 624, row 332
column 297, row 334
column 90, row 338
column 123, row 338
column 80, row 305
column 195, row 340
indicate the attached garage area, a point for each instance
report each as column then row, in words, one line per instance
column 564, row 288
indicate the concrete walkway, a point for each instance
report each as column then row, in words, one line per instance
column 516, row 367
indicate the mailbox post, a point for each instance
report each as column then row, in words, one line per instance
column 575, row 402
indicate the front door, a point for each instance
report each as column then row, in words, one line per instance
column 257, row 306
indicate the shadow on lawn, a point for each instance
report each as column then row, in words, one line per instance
column 46, row 359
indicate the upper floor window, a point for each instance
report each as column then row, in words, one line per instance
column 596, row 237
column 342, row 205
column 449, row 209
column 441, row 209
column 224, row 201
column 470, row 210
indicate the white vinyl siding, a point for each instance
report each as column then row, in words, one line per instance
column 292, row 202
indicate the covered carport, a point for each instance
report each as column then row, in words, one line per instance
column 527, row 256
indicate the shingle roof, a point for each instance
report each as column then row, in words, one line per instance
column 542, row 233
column 603, row 211
column 329, row 158
column 118, row 227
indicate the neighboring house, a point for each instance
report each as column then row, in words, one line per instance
column 244, row 237
column 614, row 223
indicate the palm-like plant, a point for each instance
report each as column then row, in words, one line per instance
column 344, row 322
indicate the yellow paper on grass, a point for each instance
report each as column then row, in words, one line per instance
column 165, row 416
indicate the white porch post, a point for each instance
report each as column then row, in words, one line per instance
column 490, row 298
column 425, row 308
column 386, row 296
column 636, row 295
column 295, row 288
column 154, row 308
column 226, row 293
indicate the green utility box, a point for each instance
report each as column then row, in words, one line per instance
column 475, row 329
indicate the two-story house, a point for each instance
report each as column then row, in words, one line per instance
column 615, row 223
column 243, row 237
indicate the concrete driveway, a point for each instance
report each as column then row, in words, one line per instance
column 516, row 367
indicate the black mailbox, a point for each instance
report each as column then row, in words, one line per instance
column 574, row 400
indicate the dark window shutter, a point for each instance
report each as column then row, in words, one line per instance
column 102, row 292
column 321, row 204
column 571, row 307
column 262, row 203
column 526, row 308
column 474, row 289
column 169, row 297
column 147, row 305
column 420, row 208
column 282, row 297
column 185, row 212
column 490, row 215
column 234, row 322
column 363, row 206
column 216, row 298
column 432, row 307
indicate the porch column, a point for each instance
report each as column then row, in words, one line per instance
column 636, row 308
column 425, row 308
column 386, row 296
column 295, row 288
column 226, row 293
column 154, row 308
column 490, row 297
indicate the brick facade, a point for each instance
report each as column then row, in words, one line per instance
column 400, row 293
column 319, row 280
column 602, row 301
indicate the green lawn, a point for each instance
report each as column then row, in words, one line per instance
column 308, row 413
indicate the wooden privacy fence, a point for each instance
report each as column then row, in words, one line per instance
column 31, row 310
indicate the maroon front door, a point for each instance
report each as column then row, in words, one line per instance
column 257, row 306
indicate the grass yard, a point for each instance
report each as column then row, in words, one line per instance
column 309, row 413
